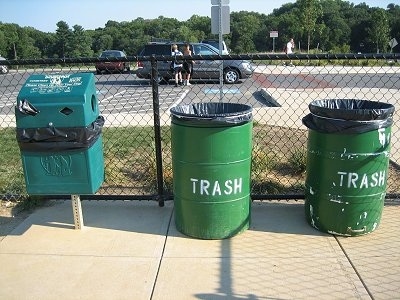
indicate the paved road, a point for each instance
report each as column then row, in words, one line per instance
column 125, row 93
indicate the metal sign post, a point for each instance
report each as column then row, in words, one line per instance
column 77, row 211
column 220, row 24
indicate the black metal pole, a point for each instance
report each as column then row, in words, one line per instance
column 157, row 131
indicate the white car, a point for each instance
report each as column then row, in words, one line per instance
column 3, row 68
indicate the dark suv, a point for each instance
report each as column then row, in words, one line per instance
column 202, row 69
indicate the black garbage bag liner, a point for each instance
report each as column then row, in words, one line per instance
column 52, row 139
column 217, row 112
column 348, row 116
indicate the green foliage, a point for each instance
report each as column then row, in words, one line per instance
column 326, row 25
column 379, row 30
column 310, row 13
column 11, row 176
column 297, row 160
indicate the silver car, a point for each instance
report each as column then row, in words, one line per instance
column 233, row 70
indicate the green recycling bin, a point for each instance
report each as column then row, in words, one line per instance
column 59, row 134
column 347, row 164
column 211, row 160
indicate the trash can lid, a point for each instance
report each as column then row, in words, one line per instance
column 351, row 109
column 220, row 112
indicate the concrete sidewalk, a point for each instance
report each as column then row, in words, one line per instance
column 132, row 250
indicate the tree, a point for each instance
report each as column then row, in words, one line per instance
column 288, row 26
column 310, row 12
column 10, row 32
column 81, row 42
column 64, row 39
column 334, row 30
column 244, row 29
column 394, row 21
column 332, row 25
column 3, row 44
column 26, row 44
column 379, row 30
column 101, row 41
column 200, row 26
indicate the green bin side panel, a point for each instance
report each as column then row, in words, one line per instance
column 65, row 172
column 346, row 181
column 64, row 100
column 211, row 167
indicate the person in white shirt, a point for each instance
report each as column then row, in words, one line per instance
column 289, row 49
column 177, row 67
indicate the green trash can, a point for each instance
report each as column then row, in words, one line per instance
column 59, row 134
column 347, row 164
column 211, row 160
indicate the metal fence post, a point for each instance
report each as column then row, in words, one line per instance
column 157, row 131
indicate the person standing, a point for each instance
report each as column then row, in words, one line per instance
column 187, row 65
column 289, row 49
column 177, row 66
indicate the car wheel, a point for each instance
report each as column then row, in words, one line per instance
column 231, row 76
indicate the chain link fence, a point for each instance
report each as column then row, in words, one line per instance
column 136, row 134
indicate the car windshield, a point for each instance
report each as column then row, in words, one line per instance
column 156, row 49
column 215, row 44
column 111, row 54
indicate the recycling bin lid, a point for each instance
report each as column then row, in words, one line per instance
column 220, row 112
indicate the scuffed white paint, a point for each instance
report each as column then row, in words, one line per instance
column 382, row 136
column 374, row 226
column 336, row 233
column 344, row 152
column 312, row 217
column 336, row 200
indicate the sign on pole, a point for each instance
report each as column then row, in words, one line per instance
column 216, row 2
column 393, row 43
column 273, row 34
column 225, row 19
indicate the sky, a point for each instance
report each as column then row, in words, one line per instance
column 91, row 14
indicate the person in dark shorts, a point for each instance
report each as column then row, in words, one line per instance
column 187, row 65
